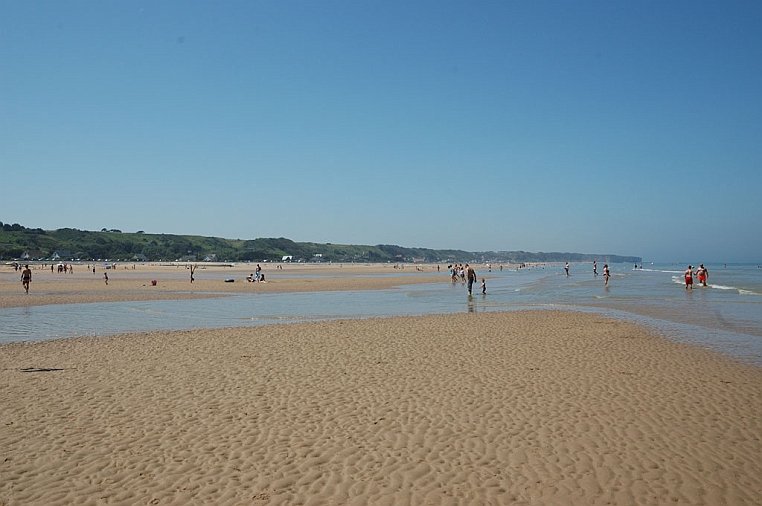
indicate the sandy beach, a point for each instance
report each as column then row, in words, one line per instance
column 173, row 281
column 540, row 407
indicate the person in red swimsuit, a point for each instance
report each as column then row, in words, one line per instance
column 702, row 273
column 689, row 277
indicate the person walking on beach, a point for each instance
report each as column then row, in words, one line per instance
column 689, row 277
column 192, row 269
column 606, row 274
column 702, row 273
column 105, row 277
column 26, row 278
column 470, row 276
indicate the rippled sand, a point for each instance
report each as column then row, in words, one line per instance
column 488, row 408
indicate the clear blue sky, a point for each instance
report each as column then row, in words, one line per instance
column 630, row 128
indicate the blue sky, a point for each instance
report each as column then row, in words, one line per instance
column 630, row 128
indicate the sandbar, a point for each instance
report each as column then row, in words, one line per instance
column 126, row 283
column 526, row 407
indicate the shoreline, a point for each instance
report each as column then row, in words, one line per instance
column 132, row 283
column 515, row 407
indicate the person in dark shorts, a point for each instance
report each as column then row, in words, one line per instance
column 470, row 274
column 26, row 278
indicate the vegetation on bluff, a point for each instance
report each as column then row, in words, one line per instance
column 66, row 244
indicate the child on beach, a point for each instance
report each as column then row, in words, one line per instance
column 105, row 277
column 484, row 286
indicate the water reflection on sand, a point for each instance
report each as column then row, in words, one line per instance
column 727, row 320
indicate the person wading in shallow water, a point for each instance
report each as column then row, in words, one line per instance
column 702, row 273
column 470, row 277
column 689, row 277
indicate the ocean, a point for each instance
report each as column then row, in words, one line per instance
column 726, row 316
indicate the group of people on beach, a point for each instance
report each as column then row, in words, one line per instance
column 257, row 276
column 467, row 274
column 63, row 268
column 702, row 273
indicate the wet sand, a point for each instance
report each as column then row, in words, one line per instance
column 536, row 407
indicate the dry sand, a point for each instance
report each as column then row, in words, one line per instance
column 489, row 408
column 173, row 281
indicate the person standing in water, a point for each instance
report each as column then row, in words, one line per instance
column 689, row 278
column 606, row 274
column 595, row 268
column 470, row 274
column 702, row 273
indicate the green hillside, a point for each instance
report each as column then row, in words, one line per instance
column 67, row 244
